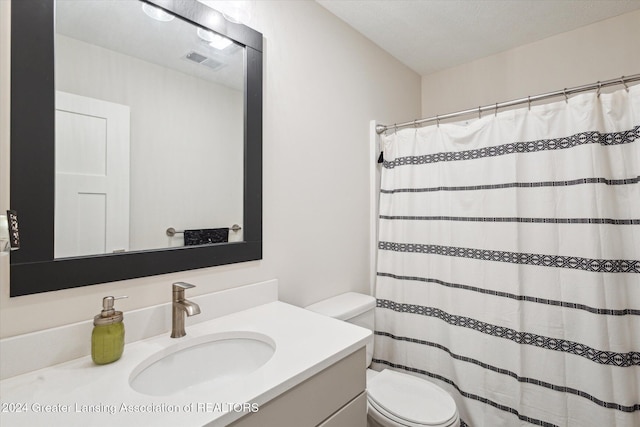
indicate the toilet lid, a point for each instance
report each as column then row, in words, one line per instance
column 411, row 399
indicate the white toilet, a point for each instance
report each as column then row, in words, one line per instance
column 394, row 399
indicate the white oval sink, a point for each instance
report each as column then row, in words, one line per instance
column 215, row 357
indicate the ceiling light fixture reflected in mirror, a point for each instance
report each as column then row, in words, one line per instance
column 214, row 40
column 237, row 11
column 156, row 13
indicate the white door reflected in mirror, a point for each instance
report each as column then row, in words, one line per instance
column 92, row 176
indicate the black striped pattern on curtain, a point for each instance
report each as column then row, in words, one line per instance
column 509, row 262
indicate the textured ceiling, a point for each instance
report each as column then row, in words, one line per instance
column 431, row 35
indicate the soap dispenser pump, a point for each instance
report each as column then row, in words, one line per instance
column 107, row 338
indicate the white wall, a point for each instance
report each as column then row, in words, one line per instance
column 323, row 83
column 192, row 151
column 605, row 50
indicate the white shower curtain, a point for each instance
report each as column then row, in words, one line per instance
column 509, row 262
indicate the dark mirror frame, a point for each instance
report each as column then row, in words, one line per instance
column 33, row 267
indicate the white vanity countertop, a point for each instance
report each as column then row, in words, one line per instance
column 80, row 393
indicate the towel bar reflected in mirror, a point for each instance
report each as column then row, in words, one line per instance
column 172, row 231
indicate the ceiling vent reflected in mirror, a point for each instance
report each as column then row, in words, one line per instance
column 204, row 60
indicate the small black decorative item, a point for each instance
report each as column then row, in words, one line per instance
column 14, row 234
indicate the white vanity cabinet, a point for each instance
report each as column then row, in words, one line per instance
column 334, row 397
column 315, row 377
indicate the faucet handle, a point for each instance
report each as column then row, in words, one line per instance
column 181, row 286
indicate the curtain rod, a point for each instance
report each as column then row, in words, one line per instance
column 528, row 100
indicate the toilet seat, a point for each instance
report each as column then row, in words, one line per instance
column 411, row 401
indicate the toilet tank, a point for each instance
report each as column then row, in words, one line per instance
column 351, row 307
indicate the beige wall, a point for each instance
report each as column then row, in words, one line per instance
column 601, row 51
column 323, row 83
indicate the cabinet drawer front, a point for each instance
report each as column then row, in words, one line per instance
column 315, row 400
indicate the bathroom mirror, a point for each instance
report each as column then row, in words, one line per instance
column 149, row 129
column 190, row 109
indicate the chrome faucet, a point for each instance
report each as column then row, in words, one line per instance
column 181, row 306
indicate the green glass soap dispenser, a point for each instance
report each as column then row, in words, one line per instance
column 107, row 338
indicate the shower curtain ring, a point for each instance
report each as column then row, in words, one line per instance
column 437, row 121
column 566, row 98
column 479, row 112
column 624, row 83
column 496, row 112
column 599, row 87
column 529, row 102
